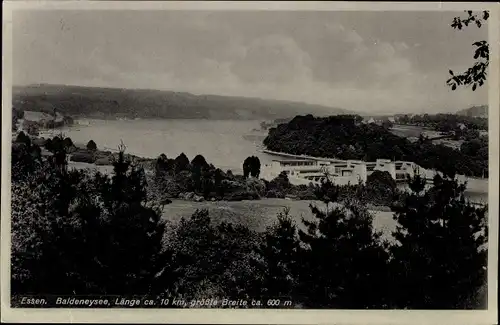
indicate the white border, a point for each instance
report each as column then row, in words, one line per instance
column 253, row 316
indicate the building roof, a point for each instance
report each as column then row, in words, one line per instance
column 294, row 160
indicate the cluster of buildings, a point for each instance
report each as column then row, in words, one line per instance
column 341, row 172
column 34, row 120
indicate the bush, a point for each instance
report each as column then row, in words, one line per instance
column 39, row 142
column 275, row 194
column 26, row 159
column 212, row 259
column 380, row 188
column 84, row 157
column 170, row 188
column 306, row 195
column 103, row 161
column 241, row 195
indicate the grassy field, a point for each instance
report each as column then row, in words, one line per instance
column 257, row 215
column 106, row 169
column 412, row 131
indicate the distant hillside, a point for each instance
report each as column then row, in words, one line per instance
column 475, row 111
column 138, row 103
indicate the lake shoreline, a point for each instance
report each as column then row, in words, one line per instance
column 225, row 144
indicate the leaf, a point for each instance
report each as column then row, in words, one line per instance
column 486, row 15
column 478, row 23
column 451, row 72
column 454, row 87
column 474, row 87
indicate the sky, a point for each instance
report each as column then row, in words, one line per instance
column 381, row 62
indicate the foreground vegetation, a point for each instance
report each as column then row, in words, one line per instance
column 82, row 232
column 345, row 137
column 197, row 180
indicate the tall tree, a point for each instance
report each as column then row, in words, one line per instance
column 161, row 165
column 251, row 167
column 137, row 230
column 199, row 162
column 91, row 145
column 87, row 234
column 439, row 260
column 247, row 167
column 181, row 163
column 278, row 260
column 345, row 261
column 26, row 157
column 255, row 171
column 219, row 186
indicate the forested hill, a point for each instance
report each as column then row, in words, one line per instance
column 475, row 111
column 346, row 137
column 138, row 103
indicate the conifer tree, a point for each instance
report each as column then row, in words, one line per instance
column 344, row 262
column 90, row 234
column 278, row 260
column 181, row 163
column 91, row 145
column 246, row 167
column 439, row 261
column 133, row 231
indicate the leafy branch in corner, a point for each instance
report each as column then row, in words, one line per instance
column 475, row 75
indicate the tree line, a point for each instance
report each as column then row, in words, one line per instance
column 444, row 122
column 198, row 180
column 82, row 232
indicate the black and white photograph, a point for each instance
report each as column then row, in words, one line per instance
column 251, row 159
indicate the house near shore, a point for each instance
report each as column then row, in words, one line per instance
column 41, row 120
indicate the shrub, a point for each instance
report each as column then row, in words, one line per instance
column 103, row 161
column 212, row 259
column 84, row 157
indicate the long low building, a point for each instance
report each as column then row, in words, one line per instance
column 305, row 171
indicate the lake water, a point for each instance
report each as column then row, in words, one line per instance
column 225, row 144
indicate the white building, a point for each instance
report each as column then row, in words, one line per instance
column 341, row 172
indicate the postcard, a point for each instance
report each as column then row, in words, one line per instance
column 256, row 162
